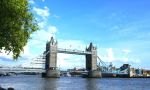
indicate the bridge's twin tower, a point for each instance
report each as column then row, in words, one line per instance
column 51, row 60
column 91, row 62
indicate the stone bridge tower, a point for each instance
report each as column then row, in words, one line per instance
column 91, row 62
column 51, row 59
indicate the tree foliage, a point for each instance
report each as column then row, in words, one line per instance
column 17, row 23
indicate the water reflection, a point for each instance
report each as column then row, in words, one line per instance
column 50, row 84
column 69, row 83
column 91, row 84
column 73, row 83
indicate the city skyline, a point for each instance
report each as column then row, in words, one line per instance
column 120, row 30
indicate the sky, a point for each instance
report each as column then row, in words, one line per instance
column 118, row 28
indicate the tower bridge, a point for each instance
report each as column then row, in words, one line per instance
column 51, row 59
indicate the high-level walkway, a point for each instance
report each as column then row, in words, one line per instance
column 74, row 51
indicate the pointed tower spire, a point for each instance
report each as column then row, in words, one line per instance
column 52, row 41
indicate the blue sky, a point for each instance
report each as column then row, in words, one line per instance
column 119, row 28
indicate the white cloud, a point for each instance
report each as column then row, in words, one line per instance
column 39, row 40
column 110, row 54
column 117, row 57
column 41, row 24
column 26, row 53
column 44, row 35
column 42, row 12
column 52, row 29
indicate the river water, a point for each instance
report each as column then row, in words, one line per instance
column 36, row 82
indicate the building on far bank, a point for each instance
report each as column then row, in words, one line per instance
column 145, row 72
column 132, row 72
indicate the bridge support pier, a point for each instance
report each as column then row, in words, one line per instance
column 52, row 73
column 94, row 74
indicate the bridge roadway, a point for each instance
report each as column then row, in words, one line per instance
column 75, row 51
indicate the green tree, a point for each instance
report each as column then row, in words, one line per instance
column 17, row 23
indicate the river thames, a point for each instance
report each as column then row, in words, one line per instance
column 36, row 82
